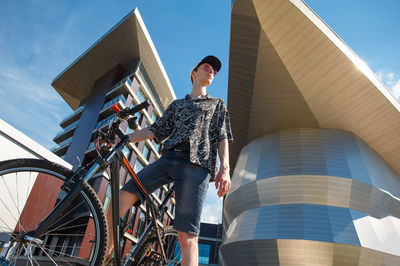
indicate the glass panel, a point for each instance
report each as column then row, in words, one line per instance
column 159, row 192
column 303, row 221
column 67, row 128
column 113, row 101
column 138, row 166
column 127, row 152
column 178, row 253
column 153, row 117
column 107, row 198
column 146, row 152
column 204, row 253
column 104, row 122
column 141, row 96
column 156, row 146
column 141, row 225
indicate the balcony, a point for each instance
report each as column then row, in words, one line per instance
column 61, row 148
column 74, row 116
column 120, row 100
column 66, row 133
column 122, row 87
column 103, row 122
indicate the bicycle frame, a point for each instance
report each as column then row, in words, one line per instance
column 113, row 159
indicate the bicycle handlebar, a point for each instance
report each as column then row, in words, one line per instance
column 139, row 107
column 125, row 113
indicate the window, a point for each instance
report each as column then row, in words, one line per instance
column 153, row 117
column 171, row 208
column 178, row 253
column 156, row 146
column 141, row 225
column 132, row 221
column 129, row 80
column 127, row 152
column 140, row 119
column 159, row 193
column 146, row 152
column 140, row 95
column 204, row 253
column 71, row 246
column 107, row 198
column 138, row 166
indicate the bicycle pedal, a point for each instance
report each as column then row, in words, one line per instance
column 153, row 256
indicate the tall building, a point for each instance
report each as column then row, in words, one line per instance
column 209, row 243
column 316, row 177
column 122, row 67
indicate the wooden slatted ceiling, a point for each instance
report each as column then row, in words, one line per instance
column 304, row 78
column 245, row 32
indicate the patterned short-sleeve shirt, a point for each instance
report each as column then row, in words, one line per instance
column 201, row 122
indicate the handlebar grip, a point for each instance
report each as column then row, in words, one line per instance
column 139, row 107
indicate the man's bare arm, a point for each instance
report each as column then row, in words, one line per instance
column 223, row 180
column 141, row 135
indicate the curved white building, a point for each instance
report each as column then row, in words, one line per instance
column 316, row 164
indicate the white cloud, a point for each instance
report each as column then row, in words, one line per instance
column 391, row 81
column 395, row 89
column 390, row 76
column 30, row 106
column 212, row 210
column 380, row 75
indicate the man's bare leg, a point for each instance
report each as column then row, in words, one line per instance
column 189, row 248
column 126, row 201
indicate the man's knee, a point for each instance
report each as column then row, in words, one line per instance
column 187, row 240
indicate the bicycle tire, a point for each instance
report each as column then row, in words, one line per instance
column 29, row 190
column 171, row 247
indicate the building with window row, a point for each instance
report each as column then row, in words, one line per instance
column 121, row 68
column 210, row 239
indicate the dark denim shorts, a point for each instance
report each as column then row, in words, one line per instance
column 191, row 184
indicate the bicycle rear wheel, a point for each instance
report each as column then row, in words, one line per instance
column 149, row 252
column 29, row 190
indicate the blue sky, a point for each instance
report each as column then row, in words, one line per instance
column 39, row 39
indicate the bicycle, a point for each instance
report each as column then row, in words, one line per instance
column 64, row 208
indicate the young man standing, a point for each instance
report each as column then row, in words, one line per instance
column 192, row 130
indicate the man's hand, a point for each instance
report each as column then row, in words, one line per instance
column 223, row 182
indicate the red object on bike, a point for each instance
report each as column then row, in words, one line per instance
column 115, row 108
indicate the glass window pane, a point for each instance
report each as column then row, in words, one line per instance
column 204, row 253
column 127, row 152
column 146, row 152
column 141, row 225
column 138, row 166
column 141, row 96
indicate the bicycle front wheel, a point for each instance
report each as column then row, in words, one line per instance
column 29, row 190
column 150, row 254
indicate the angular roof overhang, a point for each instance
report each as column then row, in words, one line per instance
column 125, row 43
column 288, row 69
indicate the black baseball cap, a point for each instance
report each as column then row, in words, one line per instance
column 211, row 60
